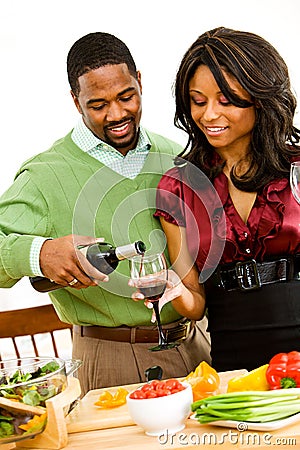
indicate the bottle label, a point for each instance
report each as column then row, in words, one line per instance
column 83, row 249
column 126, row 251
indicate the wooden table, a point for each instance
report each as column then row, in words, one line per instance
column 90, row 428
column 207, row 437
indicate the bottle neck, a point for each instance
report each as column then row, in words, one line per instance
column 120, row 253
column 126, row 251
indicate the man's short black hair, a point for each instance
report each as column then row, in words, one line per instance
column 93, row 51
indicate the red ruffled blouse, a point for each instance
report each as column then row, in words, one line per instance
column 215, row 231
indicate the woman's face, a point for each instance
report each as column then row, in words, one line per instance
column 226, row 127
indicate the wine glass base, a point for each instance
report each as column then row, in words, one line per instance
column 160, row 347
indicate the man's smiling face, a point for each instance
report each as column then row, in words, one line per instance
column 110, row 102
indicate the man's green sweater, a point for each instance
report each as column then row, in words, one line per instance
column 63, row 191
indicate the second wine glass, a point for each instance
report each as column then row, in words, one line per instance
column 149, row 274
column 295, row 180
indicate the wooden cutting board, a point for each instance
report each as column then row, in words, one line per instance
column 86, row 416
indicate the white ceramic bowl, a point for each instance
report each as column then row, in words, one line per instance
column 162, row 415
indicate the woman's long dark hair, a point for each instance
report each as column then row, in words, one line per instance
column 262, row 72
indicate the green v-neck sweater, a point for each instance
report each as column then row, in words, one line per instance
column 64, row 190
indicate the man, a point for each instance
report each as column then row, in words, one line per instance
column 99, row 180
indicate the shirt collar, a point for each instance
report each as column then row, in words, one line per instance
column 86, row 140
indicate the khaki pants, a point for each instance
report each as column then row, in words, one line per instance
column 110, row 363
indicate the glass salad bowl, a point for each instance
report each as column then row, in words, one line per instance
column 25, row 386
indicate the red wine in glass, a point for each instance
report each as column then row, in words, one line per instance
column 153, row 292
column 150, row 274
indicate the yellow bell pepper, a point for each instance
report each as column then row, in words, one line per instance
column 255, row 380
column 35, row 424
column 204, row 380
column 109, row 400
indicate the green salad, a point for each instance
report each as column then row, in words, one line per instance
column 32, row 393
column 20, row 424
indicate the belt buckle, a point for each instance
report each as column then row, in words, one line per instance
column 178, row 333
column 247, row 274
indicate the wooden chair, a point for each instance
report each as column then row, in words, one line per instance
column 35, row 323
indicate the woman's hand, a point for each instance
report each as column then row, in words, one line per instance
column 174, row 289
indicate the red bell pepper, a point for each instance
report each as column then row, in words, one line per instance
column 284, row 371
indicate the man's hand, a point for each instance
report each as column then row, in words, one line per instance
column 62, row 262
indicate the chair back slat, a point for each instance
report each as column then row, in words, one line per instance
column 16, row 348
column 33, row 324
column 32, row 338
column 54, row 344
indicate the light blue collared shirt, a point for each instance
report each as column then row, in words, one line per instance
column 128, row 166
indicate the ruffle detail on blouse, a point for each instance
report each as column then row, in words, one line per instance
column 272, row 217
column 224, row 228
column 168, row 218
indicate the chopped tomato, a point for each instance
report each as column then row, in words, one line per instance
column 171, row 384
column 151, row 394
column 138, row 394
column 146, row 388
column 156, row 388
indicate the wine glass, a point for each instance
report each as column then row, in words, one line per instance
column 149, row 274
column 295, row 180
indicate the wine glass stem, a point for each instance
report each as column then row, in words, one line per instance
column 162, row 338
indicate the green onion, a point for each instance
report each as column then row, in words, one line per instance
column 253, row 406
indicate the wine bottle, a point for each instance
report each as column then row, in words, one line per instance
column 101, row 255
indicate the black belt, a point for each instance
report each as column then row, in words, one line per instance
column 249, row 275
column 176, row 331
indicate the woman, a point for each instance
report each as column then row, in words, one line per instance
column 233, row 98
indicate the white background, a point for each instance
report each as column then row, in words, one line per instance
column 35, row 36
